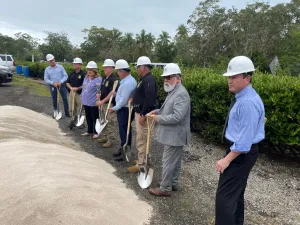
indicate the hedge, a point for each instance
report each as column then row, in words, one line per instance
column 211, row 99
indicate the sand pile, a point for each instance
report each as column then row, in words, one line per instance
column 43, row 182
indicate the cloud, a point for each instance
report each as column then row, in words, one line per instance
column 63, row 16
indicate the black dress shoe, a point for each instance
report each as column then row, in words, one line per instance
column 119, row 159
column 68, row 115
column 118, row 154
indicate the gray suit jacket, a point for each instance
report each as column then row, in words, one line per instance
column 173, row 126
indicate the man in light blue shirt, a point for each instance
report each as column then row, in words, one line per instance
column 55, row 75
column 127, row 86
column 244, row 129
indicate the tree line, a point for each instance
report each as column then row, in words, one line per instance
column 210, row 37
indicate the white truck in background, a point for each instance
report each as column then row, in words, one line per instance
column 7, row 61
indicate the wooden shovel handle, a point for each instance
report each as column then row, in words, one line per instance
column 111, row 97
column 148, row 136
column 73, row 93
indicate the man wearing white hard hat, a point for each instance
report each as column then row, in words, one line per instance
column 144, row 100
column 173, row 129
column 55, row 75
column 74, row 83
column 244, row 129
column 127, row 86
column 108, row 133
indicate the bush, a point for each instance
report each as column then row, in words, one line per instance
column 211, row 99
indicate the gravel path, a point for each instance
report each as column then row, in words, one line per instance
column 272, row 195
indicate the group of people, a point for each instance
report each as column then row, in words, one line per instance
column 243, row 130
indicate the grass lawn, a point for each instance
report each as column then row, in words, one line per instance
column 34, row 86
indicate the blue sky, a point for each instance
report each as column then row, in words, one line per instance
column 73, row 16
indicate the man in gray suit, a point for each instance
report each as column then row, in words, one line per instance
column 173, row 128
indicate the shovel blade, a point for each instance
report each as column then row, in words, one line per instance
column 80, row 121
column 59, row 115
column 127, row 153
column 145, row 180
column 99, row 127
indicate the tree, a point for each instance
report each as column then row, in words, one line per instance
column 145, row 43
column 57, row 44
column 26, row 46
column 101, row 43
column 164, row 48
column 128, row 47
column 182, row 45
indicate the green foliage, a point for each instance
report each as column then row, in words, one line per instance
column 57, row 44
column 211, row 99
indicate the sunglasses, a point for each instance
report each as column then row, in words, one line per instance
column 168, row 77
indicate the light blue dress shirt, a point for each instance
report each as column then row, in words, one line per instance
column 246, row 124
column 127, row 86
column 55, row 74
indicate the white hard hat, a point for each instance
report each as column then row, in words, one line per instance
column 49, row 57
column 92, row 65
column 108, row 62
column 77, row 60
column 239, row 65
column 143, row 60
column 171, row 69
column 122, row 64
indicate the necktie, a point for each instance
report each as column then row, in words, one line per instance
column 233, row 100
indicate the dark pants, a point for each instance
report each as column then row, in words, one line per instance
column 231, row 189
column 64, row 96
column 91, row 114
column 122, row 116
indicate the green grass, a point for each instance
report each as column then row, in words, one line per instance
column 35, row 87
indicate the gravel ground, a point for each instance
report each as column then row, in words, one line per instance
column 272, row 195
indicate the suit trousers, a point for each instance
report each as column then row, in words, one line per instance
column 91, row 114
column 122, row 115
column 171, row 160
column 141, row 139
column 231, row 189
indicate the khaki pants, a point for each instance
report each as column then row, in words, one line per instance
column 141, row 138
column 111, row 127
column 77, row 104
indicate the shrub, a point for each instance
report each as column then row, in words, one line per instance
column 211, row 99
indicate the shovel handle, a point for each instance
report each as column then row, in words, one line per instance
column 129, row 120
column 73, row 93
column 111, row 97
column 148, row 136
column 58, row 94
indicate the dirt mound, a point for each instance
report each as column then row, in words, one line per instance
column 43, row 182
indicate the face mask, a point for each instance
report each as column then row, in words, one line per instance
column 168, row 87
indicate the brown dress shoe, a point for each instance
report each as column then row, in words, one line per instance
column 158, row 192
column 102, row 140
column 133, row 169
column 107, row 144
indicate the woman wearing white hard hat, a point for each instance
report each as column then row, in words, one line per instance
column 243, row 130
column 89, row 98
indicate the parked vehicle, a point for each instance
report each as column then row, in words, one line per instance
column 7, row 60
column 5, row 75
